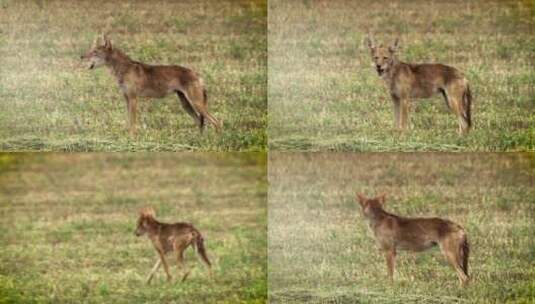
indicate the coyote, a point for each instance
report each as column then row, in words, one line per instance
column 175, row 237
column 143, row 80
column 406, row 81
column 394, row 232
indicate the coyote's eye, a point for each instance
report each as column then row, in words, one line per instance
column 385, row 58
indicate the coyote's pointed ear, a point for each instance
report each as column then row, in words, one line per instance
column 381, row 198
column 106, row 40
column 95, row 42
column 107, row 44
column 361, row 198
column 394, row 47
column 370, row 42
column 146, row 212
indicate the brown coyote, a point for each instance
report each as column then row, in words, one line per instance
column 394, row 232
column 175, row 237
column 406, row 81
column 138, row 79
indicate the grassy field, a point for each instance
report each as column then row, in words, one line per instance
column 321, row 250
column 68, row 225
column 51, row 101
column 324, row 93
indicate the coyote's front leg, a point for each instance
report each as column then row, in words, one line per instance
column 397, row 104
column 131, row 107
column 165, row 266
column 154, row 269
column 390, row 255
column 404, row 113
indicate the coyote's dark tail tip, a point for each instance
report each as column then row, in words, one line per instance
column 205, row 96
column 202, row 250
column 467, row 100
column 465, row 253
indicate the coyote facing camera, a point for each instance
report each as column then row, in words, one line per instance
column 137, row 79
column 407, row 80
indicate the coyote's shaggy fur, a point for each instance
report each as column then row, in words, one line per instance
column 137, row 79
column 406, row 81
column 166, row 238
column 394, row 232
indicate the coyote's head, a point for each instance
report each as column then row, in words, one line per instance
column 146, row 217
column 98, row 54
column 383, row 56
column 371, row 206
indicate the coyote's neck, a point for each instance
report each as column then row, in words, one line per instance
column 392, row 71
column 377, row 216
column 154, row 228
column 118, row 62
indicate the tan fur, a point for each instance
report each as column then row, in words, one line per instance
column 407, row 81
column 394, row 232
column 167, row 238
column 137, row 79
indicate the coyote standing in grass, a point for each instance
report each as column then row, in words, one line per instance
column 166, row 238
column 138, row 79
column 406, row 81
column 394, row 232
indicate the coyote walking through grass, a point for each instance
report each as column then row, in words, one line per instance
column 167, row 238
column 137, row 79
column 406, row 81
column 394, row 232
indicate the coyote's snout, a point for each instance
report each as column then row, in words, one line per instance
column 406, row 81
column 137, row 79
column 394, row 232
column 167, row 238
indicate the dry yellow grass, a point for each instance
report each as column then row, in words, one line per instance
column 68, row 226
column 52, row 102
column 324, row 93
column 321, row 250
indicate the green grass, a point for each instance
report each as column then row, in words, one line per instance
column 321, row 250
column 325, row 95
column 68, row 225
column 52, row 102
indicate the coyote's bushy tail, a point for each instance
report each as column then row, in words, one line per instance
column 217, row 125
column 464, row 251
column 467, row 105
column 205, row 96
column 201, row 250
